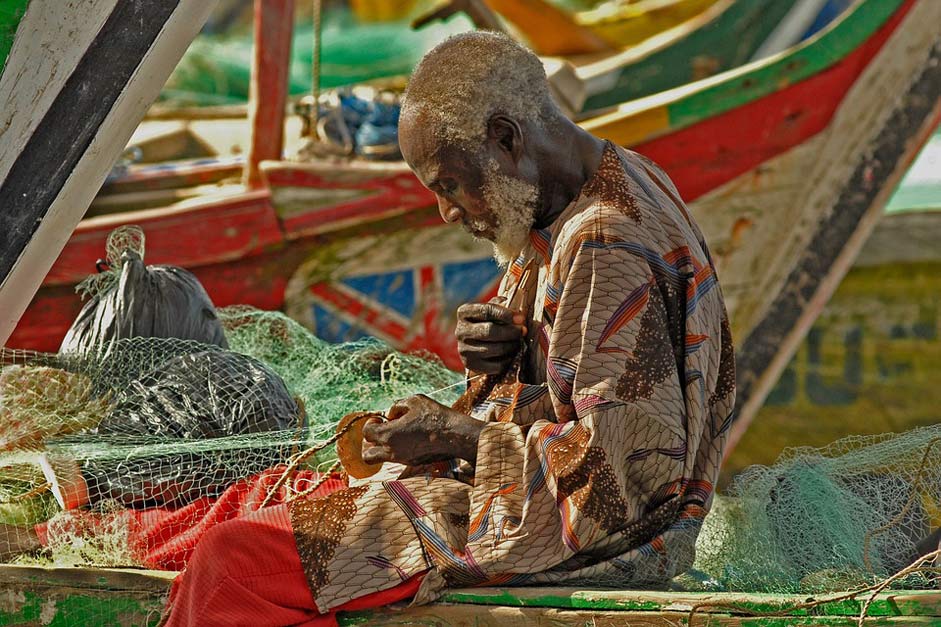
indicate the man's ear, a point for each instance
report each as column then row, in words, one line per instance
column 507, row 134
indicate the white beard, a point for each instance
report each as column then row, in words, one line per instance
column 513, row 203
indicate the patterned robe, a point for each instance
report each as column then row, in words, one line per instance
column 600, row 465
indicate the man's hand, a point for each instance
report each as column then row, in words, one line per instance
column 420, row 431
column 488, row 336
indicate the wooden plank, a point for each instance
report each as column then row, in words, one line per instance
column 49, row 45
column 827, row 256
column 444, row 615
column 88, row 578
column 73, row 162
column 907, row 603
column 130, row 596
column 268, row 90
column 82, row 596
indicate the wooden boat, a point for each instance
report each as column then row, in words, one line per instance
column 89, row 596
column 551, row 30
column 243, row 248
column 719, row 35
column 73, row 85
column 357, row 247
column 875, row 350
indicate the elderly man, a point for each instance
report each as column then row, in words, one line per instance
column 598, row 463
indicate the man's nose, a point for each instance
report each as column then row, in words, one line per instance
column 450, row 213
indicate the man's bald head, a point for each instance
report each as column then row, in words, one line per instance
column 480, row 129
column 463, row 82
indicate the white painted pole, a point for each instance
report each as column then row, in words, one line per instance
column 67, row 209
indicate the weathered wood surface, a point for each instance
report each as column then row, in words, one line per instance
column 268, row 91
column 852, row 203
column 69, row 104
column 67, row 597
column 470, row 616
column 875, row 350
column 905, row 603
column 70, row 596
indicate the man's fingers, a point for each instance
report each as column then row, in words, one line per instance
column 374, row 431
column 489, row 350
column 377, row 455
column 485, row 366
column 487, row 332
column 397, row 411
column 485, row 312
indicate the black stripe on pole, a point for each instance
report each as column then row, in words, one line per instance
column 72, row 122
column 755, row 354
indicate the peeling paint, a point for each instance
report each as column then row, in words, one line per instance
column 11, row 601
column 47, row 612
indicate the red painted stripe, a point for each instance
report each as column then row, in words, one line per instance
column 704, row 156
column 389, row 195
column 212, row 232
column 379, row 321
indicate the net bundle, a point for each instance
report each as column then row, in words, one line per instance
column 842, row 517
column 110, row 458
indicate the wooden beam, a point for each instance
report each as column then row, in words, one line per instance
column 445, row 615
column 268, row 91
column 79, row 78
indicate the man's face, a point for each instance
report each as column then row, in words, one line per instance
column 473, row 189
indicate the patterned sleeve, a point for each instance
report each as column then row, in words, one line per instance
column 603, row 476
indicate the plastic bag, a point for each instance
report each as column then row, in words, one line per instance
column 182, row 408
column 134, row 300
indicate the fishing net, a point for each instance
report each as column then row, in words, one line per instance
column 112, row 457
column 821, row 520
column 127, row 455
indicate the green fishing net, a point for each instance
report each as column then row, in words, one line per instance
column 90, row 442
column 821, row 520
column 91, row 445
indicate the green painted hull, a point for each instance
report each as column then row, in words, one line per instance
column 728, row 41
column 88, row 596
column 11, row 12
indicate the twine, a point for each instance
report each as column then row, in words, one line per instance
column 306, row 454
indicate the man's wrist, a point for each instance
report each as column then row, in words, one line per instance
column 465, row 436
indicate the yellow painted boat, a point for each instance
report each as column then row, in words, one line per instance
column 610, row 26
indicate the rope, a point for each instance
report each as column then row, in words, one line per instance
column 298, row 459
column 908, row 505
column 315, row 67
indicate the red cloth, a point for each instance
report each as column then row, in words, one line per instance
column 242, row 566
column 164, row 539
column 247, row 572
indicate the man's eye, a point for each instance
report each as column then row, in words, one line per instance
column 449, row 187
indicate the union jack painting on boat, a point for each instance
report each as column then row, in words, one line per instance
column 407, row 298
